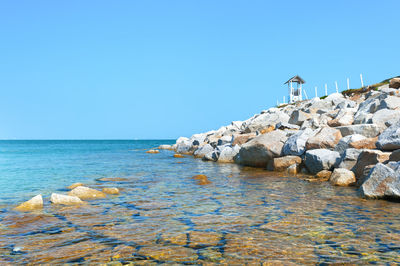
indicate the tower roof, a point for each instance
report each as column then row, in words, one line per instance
column 297, row 79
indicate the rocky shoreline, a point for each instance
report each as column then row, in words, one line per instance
column 349, row 139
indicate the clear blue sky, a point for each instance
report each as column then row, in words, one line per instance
column 162, row 69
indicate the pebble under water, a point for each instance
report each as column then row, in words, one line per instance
column 163, row 215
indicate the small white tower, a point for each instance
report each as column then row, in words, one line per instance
column 295, row 94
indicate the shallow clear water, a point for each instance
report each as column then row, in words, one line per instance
column 162, row 215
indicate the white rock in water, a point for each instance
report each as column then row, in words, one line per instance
column 56, row 198
column 32, row 204
column 86, row 193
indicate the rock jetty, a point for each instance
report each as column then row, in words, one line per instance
column 355, row 135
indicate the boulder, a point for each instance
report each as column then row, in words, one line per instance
column 349, row 158
column 263, row 148
column 228, row 153
column 296, row 144
column 390, row 138
column 293, row 169
column 203, row 150
column 265, row 120
column 345, row 141
column 342, row 177
column 394, row 83
column 56, row 198
column 390, row 102
column 243, row 138
column 32, row 204
column 197, row 139
column 298, row 117
column 366, row 143
column 386, row 117
column 395, row 156
column 368, row 157
column 326, row 138
column 344, row 117
column 224, row 140
column 85, row 193
column 324, row 175
column 211, row 156
column 283, row 125
column 282, row 163
column 184, row 146
column 321, row 159
column 367, row 130
column 111, row 190
column 74, row 185
column 382, row 182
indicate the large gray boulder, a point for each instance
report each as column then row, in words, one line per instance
column 367, row 130
column 390, row 102
column 298, row 117
column 367, row 158
column 184, row 145
column 390, row 138
column 228, row 154
column 349, row 158
column 321, row 159
column 203, row 150
column 263, row 148
column 296, row 144
column 382, row 182
column 345, row 141
column 385, row 117
column 326, row 138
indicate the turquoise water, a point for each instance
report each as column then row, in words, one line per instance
column 164, row 215
column 31, row 167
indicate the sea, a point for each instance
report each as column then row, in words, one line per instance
column 165, row 215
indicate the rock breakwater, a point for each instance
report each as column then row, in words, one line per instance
column 354, row 134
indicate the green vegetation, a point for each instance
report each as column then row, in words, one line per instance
column 367, row 88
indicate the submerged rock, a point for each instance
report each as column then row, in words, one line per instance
column 202, row 179
column 321, row 159
column 260, row 150
column 177, row 155
column 382, row 182
column 165, row 147
column 111, row 190
column 153, row 151
column 342, row 177
column 32, row 204
column 74, row 185
column 56, row 198
column 85, row 193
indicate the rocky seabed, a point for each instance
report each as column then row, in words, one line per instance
column 348, row 140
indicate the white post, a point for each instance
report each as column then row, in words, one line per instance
column 305, row 93
column 277, row 103
column 326, row 89
column 337, row 89
column 348, row 84
column 316, row 94
column 284, row 100
column 362, row 82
